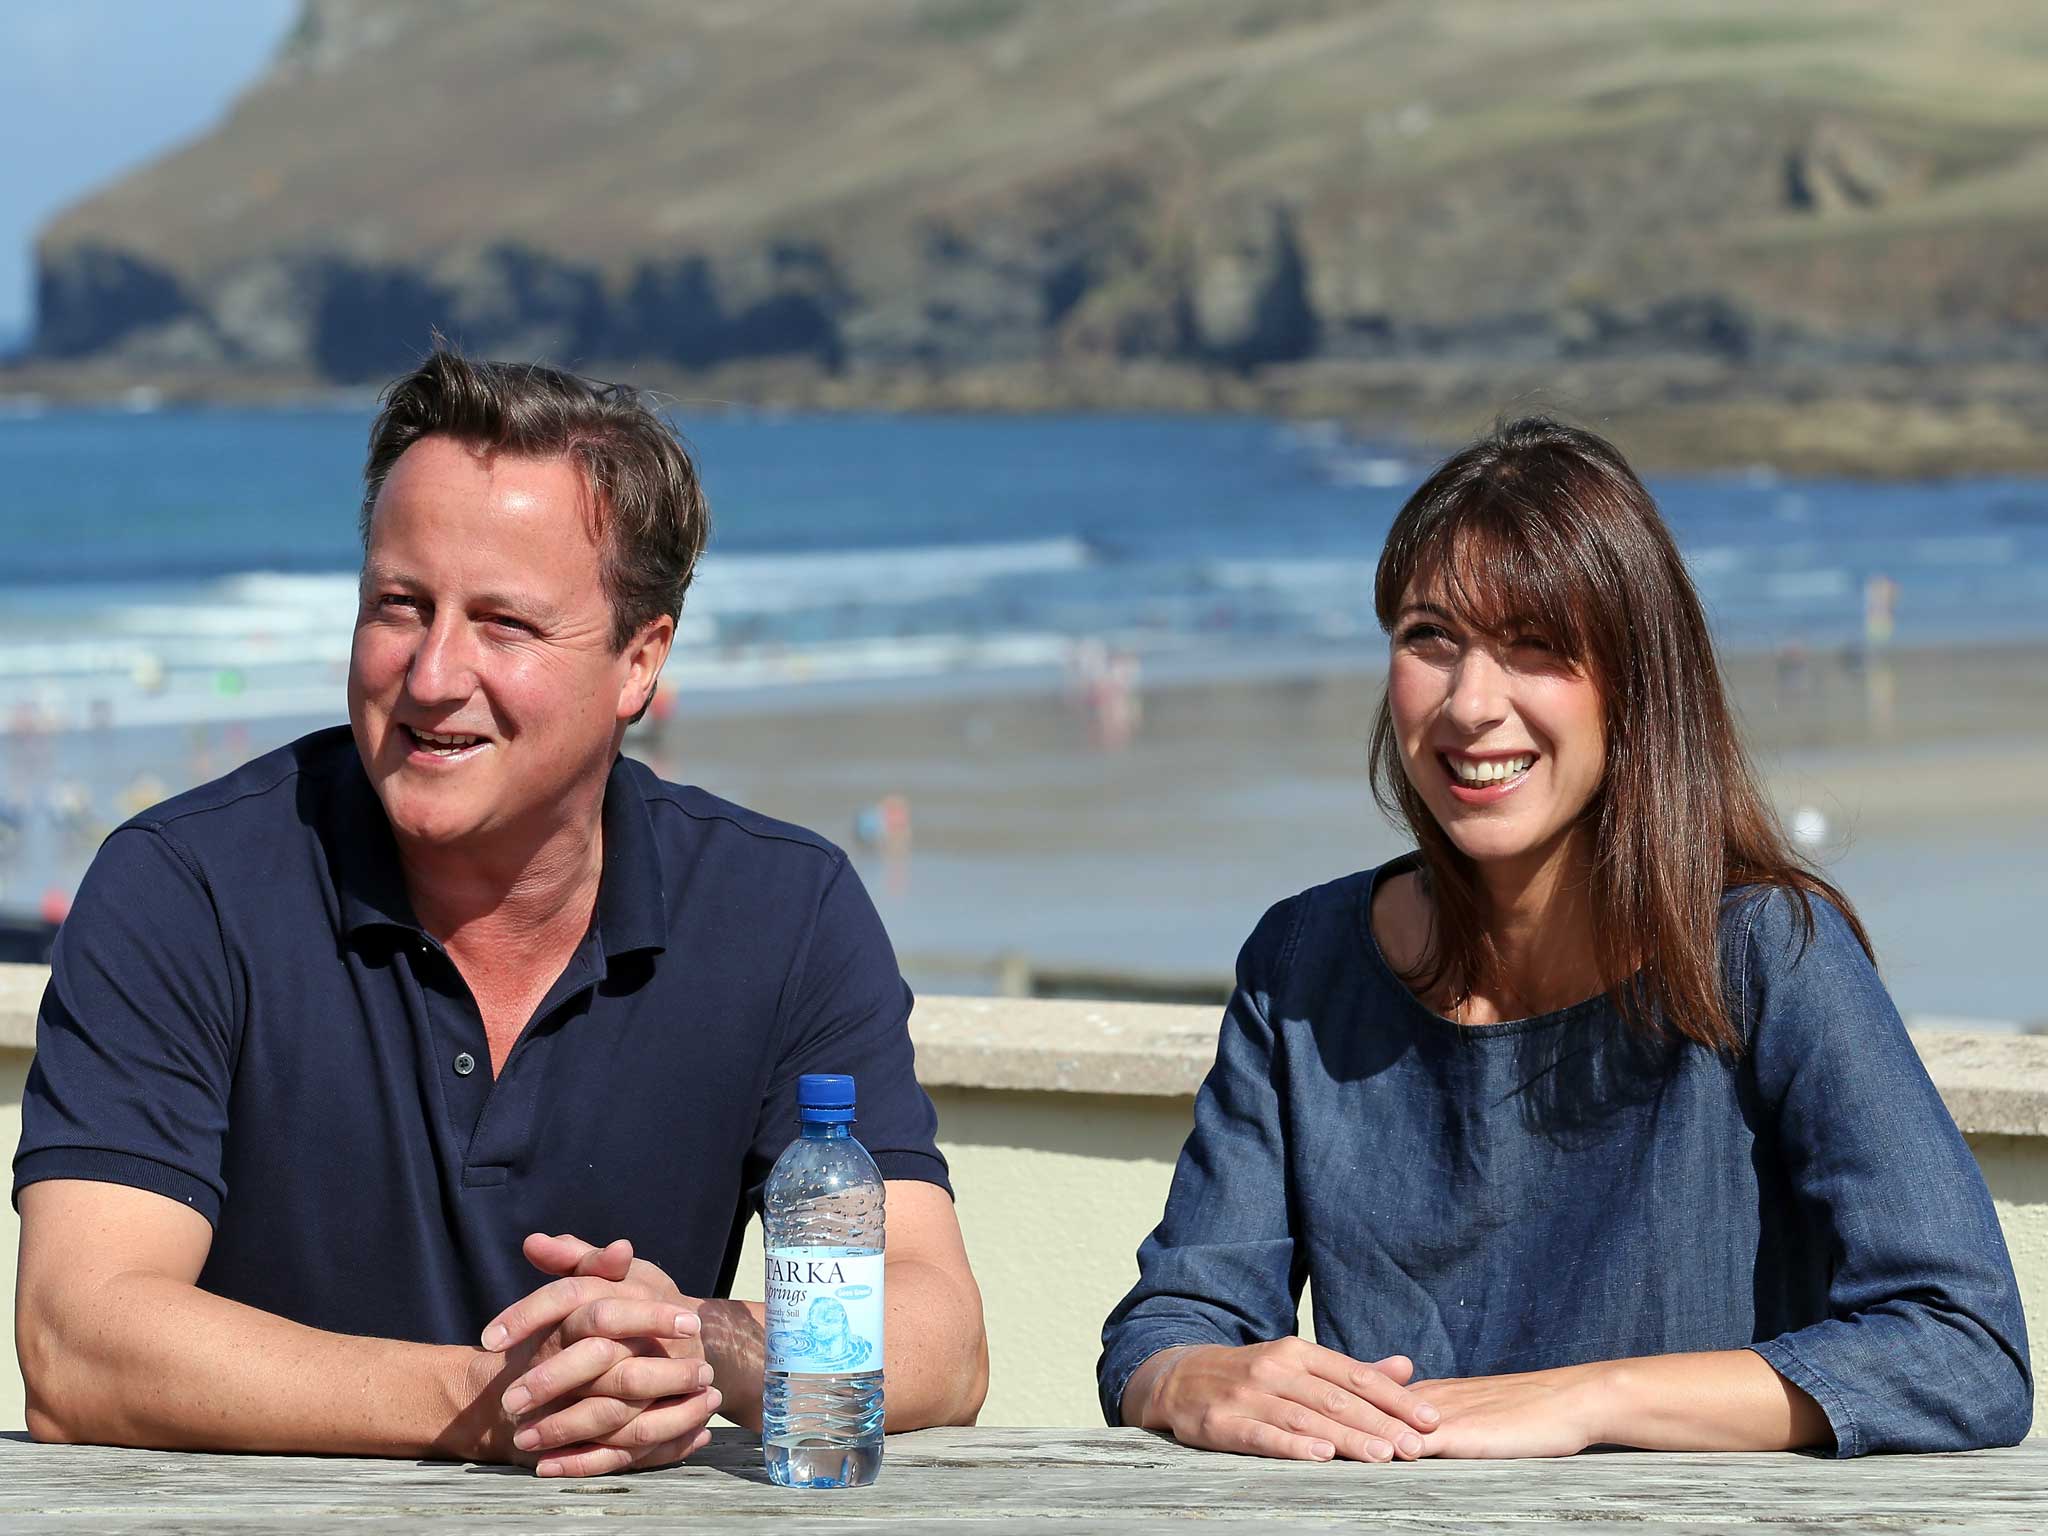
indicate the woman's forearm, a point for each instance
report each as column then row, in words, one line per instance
column 1726, row 1400
column 1723, row 1400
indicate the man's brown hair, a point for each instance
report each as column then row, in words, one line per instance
column 651, row 521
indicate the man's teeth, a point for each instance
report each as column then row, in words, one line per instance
column 442, row 743
column 1489, row 770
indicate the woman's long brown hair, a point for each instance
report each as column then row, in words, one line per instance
column 1543, row 525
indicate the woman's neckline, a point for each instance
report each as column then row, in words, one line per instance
column 1409, row 863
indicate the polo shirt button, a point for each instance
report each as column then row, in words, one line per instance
column 465, row 1064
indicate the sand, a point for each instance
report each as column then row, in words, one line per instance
column 1917, row 774
column 1161, row 856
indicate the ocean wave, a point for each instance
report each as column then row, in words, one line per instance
column 111, row 696
column 74, row 659
column 1991, row 550
column 1806, row 586
column 333, row 590
column 256, row 622
column 1371, row 471
column 743, row 583
column 882, row 658
column 1305, row 578
column 32, row 566
column 1714, row 560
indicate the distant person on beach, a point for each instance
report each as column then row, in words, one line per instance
column 1589, row 1121
column 1105, row 684
column 407, row 1091
column 1880, row 611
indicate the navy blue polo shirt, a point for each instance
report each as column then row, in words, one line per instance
column 244, row 1015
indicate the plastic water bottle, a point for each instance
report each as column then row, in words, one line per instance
column 821, row 1401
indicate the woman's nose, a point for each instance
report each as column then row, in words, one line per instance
column 1478, row 691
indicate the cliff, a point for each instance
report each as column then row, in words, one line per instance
column 1232, row 189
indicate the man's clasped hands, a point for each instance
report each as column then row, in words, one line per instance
column 599, row 1370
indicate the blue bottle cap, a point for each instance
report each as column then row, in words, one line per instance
column 825, row 1098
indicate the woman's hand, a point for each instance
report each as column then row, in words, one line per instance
column 1535, row 1413
column 1288, row 1398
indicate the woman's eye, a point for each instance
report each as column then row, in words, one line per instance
column 1534, row 643
column 1422, row 634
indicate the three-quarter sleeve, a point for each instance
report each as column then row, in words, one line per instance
column 1222, row 1266
column 1925, row 1345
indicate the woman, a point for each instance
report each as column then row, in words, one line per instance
column 1590, row 1120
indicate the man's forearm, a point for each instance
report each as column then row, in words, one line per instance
column 146, row 1360
column 936, row 1346
column 935, row 1351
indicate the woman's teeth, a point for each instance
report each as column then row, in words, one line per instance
column 1493, row 770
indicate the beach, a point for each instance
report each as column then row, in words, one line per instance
column 995, row 816
column 1027, row 835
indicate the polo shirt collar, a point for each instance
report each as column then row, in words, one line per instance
column 364, row 857
column 632, row 904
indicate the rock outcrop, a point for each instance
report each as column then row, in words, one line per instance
column 944, row 184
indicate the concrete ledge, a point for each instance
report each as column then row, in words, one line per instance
column 21, row 993
column 1045, row 1045
column 1994, row 1084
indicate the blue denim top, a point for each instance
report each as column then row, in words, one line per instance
column 1511, row 1197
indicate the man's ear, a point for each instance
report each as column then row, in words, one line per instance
column 645, row 654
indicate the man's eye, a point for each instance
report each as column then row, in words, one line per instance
column 397, row 600
column 506, row 621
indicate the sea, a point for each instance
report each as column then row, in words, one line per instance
column 168, row 574
column 180, row 566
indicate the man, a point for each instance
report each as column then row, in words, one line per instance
column 332, row 1045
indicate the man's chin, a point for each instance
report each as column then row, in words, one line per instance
column 434, row 832
column 430, row 819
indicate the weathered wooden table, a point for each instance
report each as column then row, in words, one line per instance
column 989, row 1479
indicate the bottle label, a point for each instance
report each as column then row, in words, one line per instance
column 824, row 1310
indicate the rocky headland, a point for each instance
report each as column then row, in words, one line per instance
column 1726, row 232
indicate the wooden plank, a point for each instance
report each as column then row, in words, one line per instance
column 1119, row 1481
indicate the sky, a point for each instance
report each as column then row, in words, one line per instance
column 92, row 88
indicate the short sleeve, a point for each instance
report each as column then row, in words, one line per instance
column 1925, row 1345
column 1222, row 1266
column 846, row 1008
column 135, row 1038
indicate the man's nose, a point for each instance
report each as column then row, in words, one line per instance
column 1478, row 695
column 443, row 669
